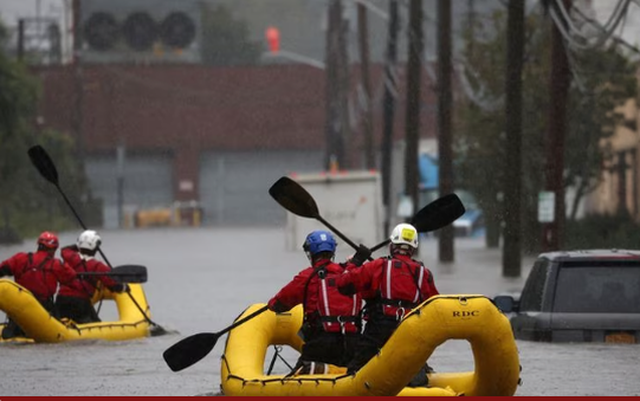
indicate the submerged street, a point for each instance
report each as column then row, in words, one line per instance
column 201, row 279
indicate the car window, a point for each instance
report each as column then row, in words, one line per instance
column 534, row 287
column 598, row 287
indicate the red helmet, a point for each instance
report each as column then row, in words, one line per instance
column 48, row 240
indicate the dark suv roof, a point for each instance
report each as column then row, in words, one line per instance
column 590, row 254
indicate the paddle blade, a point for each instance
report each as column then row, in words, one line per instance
column 123, row 274
column 439, row 213
column 130, row 273
column 190, row 350
column 41, row 160
column 293, row 197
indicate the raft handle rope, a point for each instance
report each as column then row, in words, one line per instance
column 277, row 350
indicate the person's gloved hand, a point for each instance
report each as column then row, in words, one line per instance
column 362, row 254
column 278, row 307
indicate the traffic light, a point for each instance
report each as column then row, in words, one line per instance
column 273, row 39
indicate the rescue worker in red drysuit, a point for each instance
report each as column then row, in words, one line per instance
column 331, row 325
column 38, row 272
column 74, row 300
column 391, row 286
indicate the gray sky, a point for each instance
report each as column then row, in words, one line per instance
column 11, row 10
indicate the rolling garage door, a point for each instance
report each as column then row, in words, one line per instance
column 234, row 185
column 147, row 183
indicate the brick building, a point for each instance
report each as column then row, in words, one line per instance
column 219, row 136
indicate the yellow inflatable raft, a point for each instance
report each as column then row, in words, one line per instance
column 20, row 305
column 467, row 317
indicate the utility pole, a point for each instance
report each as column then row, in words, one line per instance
column 414, row 83
column 335, row 149
column 390, row 90
column 55, row 40
column 511, row 251
column 445, row 101
column 471, row 20
column 20, row 50
column 79, row 81
column 559, row 82
column 345, row 161
column 363, row 36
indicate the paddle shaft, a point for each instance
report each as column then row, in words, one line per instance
column 243, row 320
column 380, row 245
column 338, row 233
column 192, row 349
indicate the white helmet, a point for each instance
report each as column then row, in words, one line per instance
column 89, row 239
column 405, row 234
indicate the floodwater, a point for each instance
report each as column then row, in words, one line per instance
column 201, row 279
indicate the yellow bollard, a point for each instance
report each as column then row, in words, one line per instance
column 196, row 217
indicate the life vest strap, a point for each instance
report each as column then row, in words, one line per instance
column 398, row 303
column 339, row 319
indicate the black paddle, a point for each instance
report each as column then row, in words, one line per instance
column 122, row 274
column 293, row 197
column 190, row 350
column 43, row 163
column 437, row 214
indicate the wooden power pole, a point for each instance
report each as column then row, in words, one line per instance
column 390, row 89
column 78, row 120
column 335, row 146
column 363, row 36
column 445, row 142
column 511, row 251
column 559, row 89
column 414, row 83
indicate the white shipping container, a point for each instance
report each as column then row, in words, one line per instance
column 350, row 201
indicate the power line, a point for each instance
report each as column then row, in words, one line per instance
column 563, row 21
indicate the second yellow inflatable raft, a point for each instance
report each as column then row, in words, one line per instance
column 446, row 317
column 21, row 306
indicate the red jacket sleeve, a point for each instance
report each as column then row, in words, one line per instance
column 71, row 256
column 360, row 278
column 63, row 272
column 429, row 286
column 14, row 265
column 291, row 294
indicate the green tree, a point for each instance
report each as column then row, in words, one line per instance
column 604, row 79
column 27, row 200
column 225, row 41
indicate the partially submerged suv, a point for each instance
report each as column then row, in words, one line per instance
column 586, row 295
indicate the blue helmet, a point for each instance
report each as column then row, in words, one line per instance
column 319, row 241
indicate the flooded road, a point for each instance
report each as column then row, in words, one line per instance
column 201, row 279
